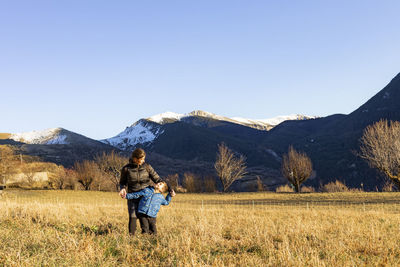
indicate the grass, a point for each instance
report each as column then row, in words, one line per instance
column 4, row 135
column 75, row 228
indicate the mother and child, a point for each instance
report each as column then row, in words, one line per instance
column 144, row 200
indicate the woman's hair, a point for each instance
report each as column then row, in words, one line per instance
column 164, row 187
column 138, row 153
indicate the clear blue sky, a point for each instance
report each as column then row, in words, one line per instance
column 95, row 67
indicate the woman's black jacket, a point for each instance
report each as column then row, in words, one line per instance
column 135, row 178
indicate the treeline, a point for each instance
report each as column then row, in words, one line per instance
column 192, row 183
column 102, row 173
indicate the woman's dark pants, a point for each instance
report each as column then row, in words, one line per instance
column 133, row 205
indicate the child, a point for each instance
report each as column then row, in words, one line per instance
column 150, row 204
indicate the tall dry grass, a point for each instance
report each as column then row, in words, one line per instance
column 69, row 228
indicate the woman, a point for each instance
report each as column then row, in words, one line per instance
column 136, row 176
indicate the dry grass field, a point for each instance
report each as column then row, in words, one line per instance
column 75, row 228
column 4, row 135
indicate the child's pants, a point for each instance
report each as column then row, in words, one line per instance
column 148, row 224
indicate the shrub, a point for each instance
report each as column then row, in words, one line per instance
column 191, row 182
column 336, row 186
column 260, row 185
column 307, row 189
column 210, row 184
column 388, row 186
column 180, row 189
column 284, row 189
column 62, row 178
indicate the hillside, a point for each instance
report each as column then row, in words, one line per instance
column 56, row 145
column 332, row 142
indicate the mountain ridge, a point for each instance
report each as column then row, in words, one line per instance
column 145, row 131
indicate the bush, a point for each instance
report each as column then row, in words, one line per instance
column 180, row 189
column 388, row 186
column 307, row 189
column 62, row 178
column 210, row 184
column 284, row 189
column 191, row 182
column 336, row 186
column 260, row 185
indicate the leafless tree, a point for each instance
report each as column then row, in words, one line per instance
column 87, row 172
column 229, row 167
column 296, row 167
column 380, row 146
column 191, row 182
column 209, row 184
column 62, row 178
column 111, row 165
column 8, row 161
column 30, row 170
column 260, row 185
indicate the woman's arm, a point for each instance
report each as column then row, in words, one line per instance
column 152, row 174
column 123, row 182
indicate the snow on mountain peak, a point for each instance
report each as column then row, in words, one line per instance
column 167, row 116
column 159, row 118
column 201, row 113
column 146, row 130
column 139, row 133
column 47, row 136
column 279, row 119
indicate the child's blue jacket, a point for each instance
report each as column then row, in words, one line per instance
column 150, row 202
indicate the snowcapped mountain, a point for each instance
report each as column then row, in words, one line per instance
column 260, row 124
column 166, row 117
column 140, row 132
column 50, row 136
column 55, row 136
column 56, row 145
column 272, row 122
column 145, row 131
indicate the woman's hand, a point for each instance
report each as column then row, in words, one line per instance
column 122, row 193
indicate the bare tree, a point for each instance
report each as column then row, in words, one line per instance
column 209, row 184
column 229, row 167
column 380, row 146
column 260, row 185
column 62, row 178
column 87, row 172
column 296, row 167
column 111, row 164
column 173, row 183
column 8, row 161
column 191, row 182
column 30, row 171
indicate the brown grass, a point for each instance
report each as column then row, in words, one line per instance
column 5, row 135
column 72, row 228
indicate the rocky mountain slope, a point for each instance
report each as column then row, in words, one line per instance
column 145, row 131
column 333, row 142
column 56, row 145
